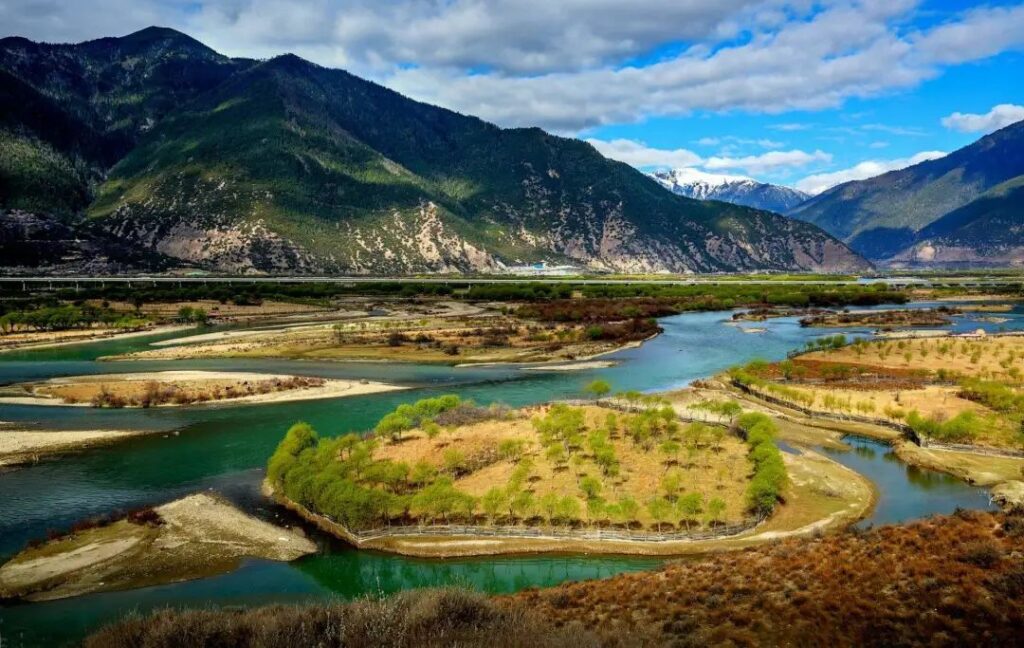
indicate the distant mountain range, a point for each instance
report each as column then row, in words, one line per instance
column 155, row 149
column 737, row 190
column 966, row 208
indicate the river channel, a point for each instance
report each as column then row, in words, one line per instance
column 224, row 448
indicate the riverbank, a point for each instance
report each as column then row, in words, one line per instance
column 822, row 496
column 20, row 446
column 181, row 388
column 54, row 339
column 197, row 536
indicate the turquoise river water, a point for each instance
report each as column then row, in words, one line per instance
column 224, row 448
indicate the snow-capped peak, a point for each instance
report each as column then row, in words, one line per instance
column 690, row 175
column 741, row 190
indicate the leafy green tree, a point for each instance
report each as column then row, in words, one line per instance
column 628, row 508
column 493, row 502
column 568, row 509
column 689, row 507
column 524, row 505
column 598, row 389
column 591, row 487
column 454, row 460
column 716, row 508
column 660, row 509
column 549, row 506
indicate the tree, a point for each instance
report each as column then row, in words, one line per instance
column 670, row 449
column 511, row 449
column 690, row 506
column 595, row 509
column 568, row 509
column 454, row 460
column 716, row 507
column 660, row 510
column 422, row 473
column 430, row 428
column 598, row 388
column 591, row 487
column 393, row 425
column 549, row 506
column 671, row 483
column 493, row 502
column 524, row 505
column 628, row 508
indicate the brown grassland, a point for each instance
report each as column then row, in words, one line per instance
column 939, row 379
column 945, row 581
column 715, row 468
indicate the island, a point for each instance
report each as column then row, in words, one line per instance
column 953, row 403
column 447, row 477
column 193, row 537
column 182, row 388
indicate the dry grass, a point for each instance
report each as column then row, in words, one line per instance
column 945, row 581
column 152, row 392
column 215, row 308
column 720, row 472
column 424, row 618
column 994, row 357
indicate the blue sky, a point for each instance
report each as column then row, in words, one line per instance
column 803, row 92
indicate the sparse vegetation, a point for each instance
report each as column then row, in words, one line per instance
column 566, row 466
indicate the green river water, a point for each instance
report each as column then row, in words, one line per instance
column 224, row 448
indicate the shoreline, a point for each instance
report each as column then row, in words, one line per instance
column 332, row 388
column 196, row 536
column 788, row 520
column 100, row 337
column 19, row 447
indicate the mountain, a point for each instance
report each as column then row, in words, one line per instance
column 989, row 230
column 737, row 190
column 283, row 165
column 883, row 216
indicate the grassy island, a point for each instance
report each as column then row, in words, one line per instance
column 181, row 388
column 953, row 403
column 444, row 461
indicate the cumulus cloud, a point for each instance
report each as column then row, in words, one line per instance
column 640, row 155
column 844, row 51
column 572, row 65
column 817, row 183
column 1000, row 116
column 767, row 162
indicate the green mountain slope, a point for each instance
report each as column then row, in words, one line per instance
column 880, row 216
column 287, row 166
column 71, row 111
column 988, row 230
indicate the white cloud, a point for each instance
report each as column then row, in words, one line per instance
column 879, row 145
column 767, row 162
column 817, row 183
column 639, row 154
column 844, row 51
column 572, row 65
column 789, row 127
column 1000, row 116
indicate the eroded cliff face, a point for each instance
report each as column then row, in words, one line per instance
column 939, row 254
column 428, row 240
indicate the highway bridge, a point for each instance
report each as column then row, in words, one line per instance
column 63, row 282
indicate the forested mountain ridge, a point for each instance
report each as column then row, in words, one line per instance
column 884, row 216
column 283, row 165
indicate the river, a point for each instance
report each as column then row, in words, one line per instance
column 225, row 447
